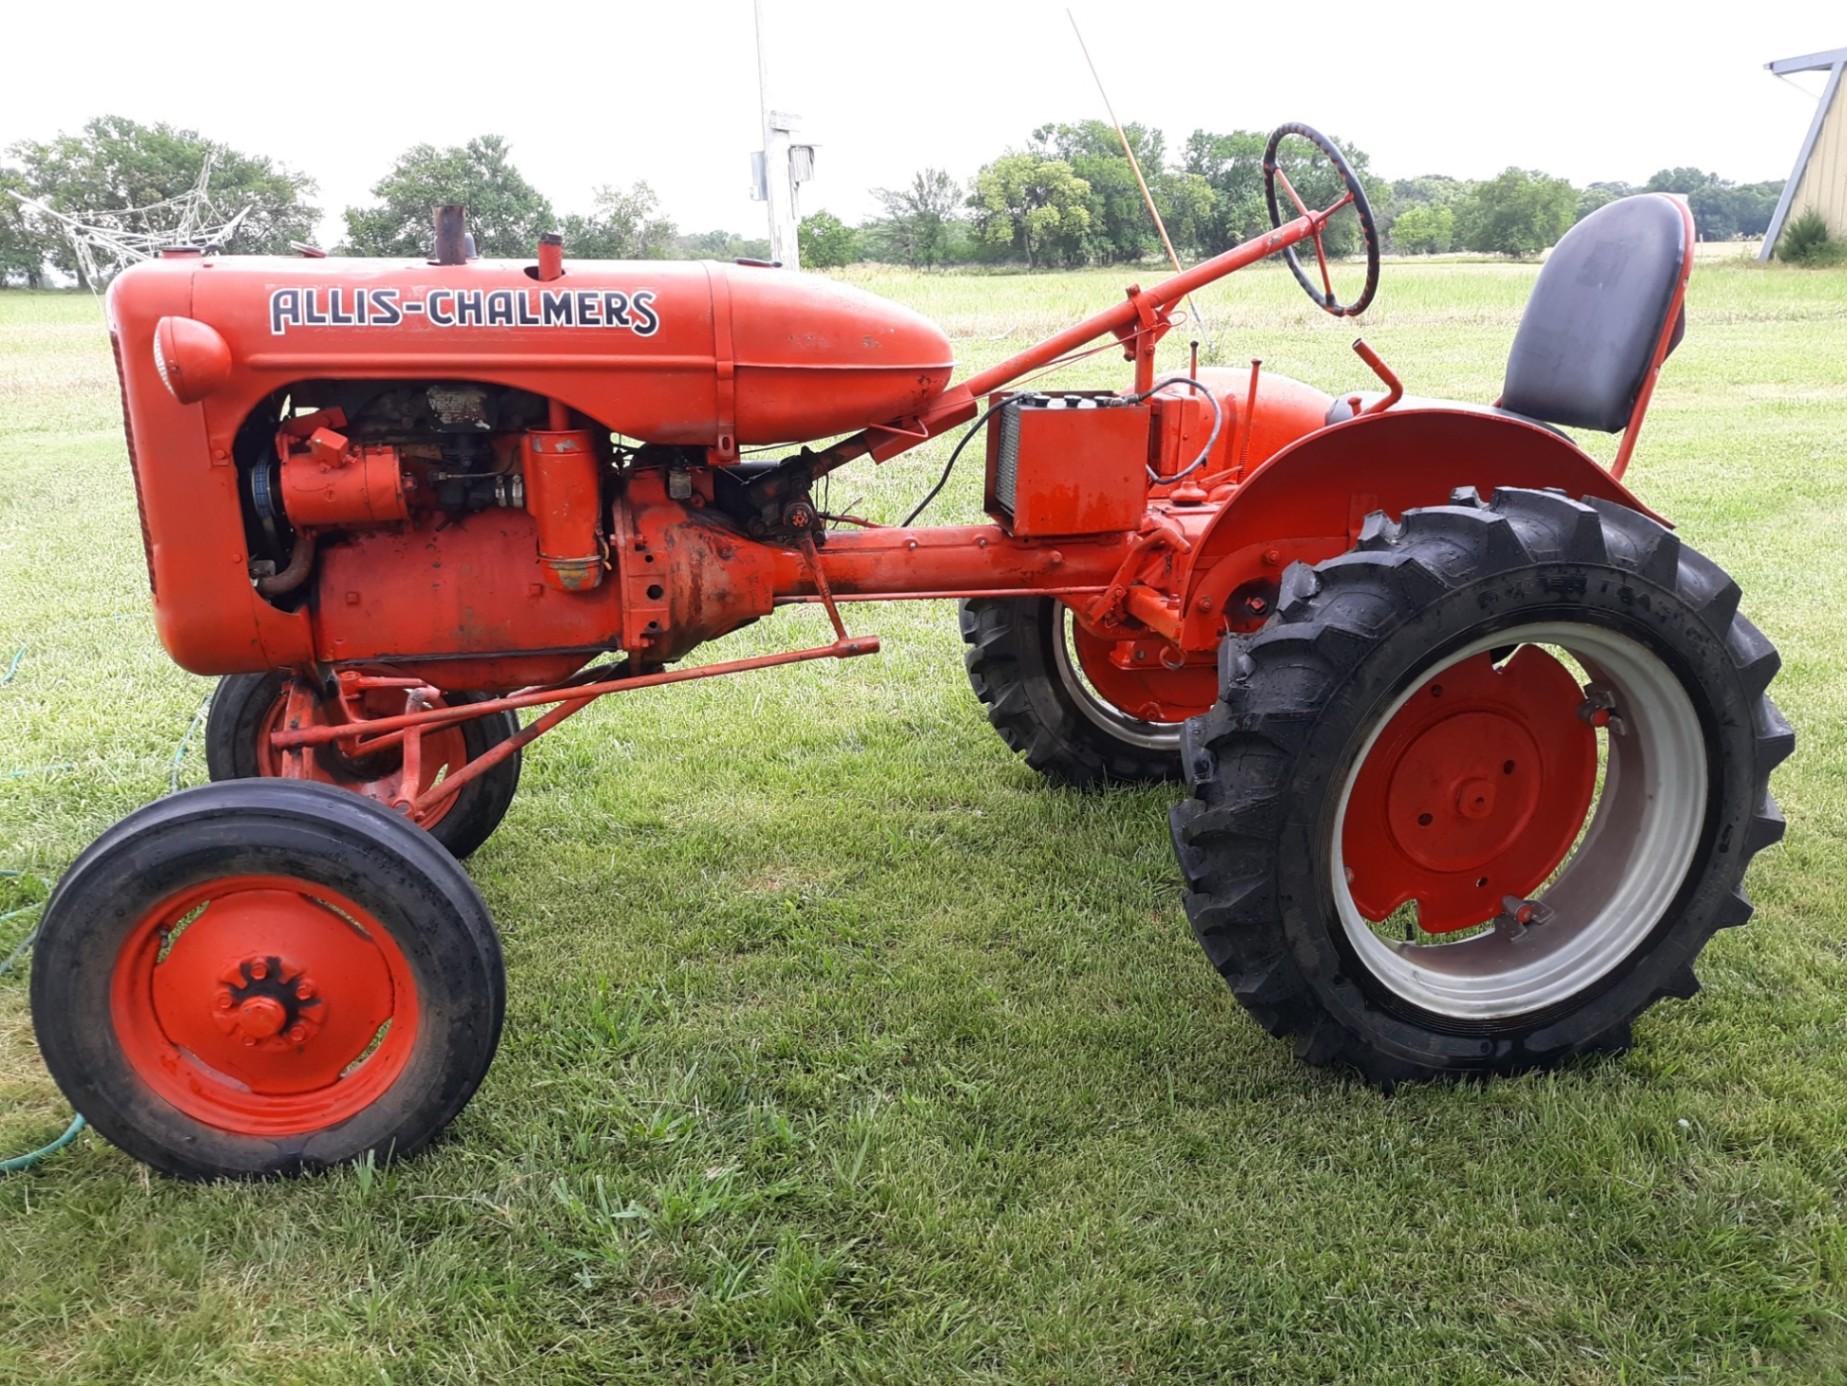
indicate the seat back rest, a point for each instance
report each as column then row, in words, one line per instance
column 1591, row 328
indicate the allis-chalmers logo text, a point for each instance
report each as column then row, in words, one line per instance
column 389, row 307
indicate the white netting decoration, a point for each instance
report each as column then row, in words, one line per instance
column 106, row 243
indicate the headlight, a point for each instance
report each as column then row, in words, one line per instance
column 193, row 360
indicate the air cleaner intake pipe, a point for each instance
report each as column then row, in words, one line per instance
column 565, row 502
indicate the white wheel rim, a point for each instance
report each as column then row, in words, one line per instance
column 1152, row 736
column 1614, row 887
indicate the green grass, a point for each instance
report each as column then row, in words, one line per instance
column 841, row 1048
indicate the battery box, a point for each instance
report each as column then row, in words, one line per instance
column 1067, row 464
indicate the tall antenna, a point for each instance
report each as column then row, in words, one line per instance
column 1134, row 166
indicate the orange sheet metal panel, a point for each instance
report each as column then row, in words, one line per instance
column 474, row 588
column 680, row 352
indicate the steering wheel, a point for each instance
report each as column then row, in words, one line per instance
column 1324, row 295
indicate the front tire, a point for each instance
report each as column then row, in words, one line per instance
column 1336, row 801
column 246, row 708
column 266, row 977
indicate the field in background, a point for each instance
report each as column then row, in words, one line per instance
column 841, row 1047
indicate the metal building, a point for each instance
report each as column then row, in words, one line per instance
column 1820, row 177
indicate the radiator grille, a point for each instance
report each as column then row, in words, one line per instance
column 134, row 467
column 1006, row 427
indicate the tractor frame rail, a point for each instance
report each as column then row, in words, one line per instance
column 300, row 732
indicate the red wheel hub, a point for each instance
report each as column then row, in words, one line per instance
column 1474, row 791
column 1148, row 689
column 379, row 776
column 264, row 1005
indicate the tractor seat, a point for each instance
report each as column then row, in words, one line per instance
column 1589, row 333
column 1590, row 330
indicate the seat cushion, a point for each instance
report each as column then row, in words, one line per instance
column 1596, row 315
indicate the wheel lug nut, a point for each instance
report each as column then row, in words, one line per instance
column 259, row 969
column 1598, row 708
column 298, row 1033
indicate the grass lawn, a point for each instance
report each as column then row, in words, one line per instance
column 841, row 1048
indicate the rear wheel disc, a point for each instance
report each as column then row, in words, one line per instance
column 1609, row 893
column 1126, row 705
column 1052, row 694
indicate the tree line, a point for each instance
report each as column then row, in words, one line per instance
column 115, row 163
column 1067, row 196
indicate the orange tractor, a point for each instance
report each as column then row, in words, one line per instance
column 1476, row 750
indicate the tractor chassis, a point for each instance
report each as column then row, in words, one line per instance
column 1476, row 749
column 1120, row 586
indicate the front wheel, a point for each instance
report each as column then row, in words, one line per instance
column 246, row 708
column 266, row 977
column 1483, row 790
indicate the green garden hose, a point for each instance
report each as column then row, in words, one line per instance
column 26, row 1161
column 32, row 1157
column 17, row 1163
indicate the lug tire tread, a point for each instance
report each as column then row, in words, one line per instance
column 1242, row 757
column 1010, row 668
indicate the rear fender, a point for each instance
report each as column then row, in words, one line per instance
column 1308, row 501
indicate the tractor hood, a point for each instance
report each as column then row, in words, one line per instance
column 682, row 352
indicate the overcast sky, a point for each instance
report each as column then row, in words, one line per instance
column 613, row 92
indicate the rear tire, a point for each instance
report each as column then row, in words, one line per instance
column 1022, row 667
column 244, row 708
column 266, row 977
column 1273, row 768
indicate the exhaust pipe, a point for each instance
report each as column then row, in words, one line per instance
column 452, row 234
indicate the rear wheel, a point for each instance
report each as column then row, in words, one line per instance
column 1054, row 695
column 266, row 977
column 1484, row 788
column 246, row 708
